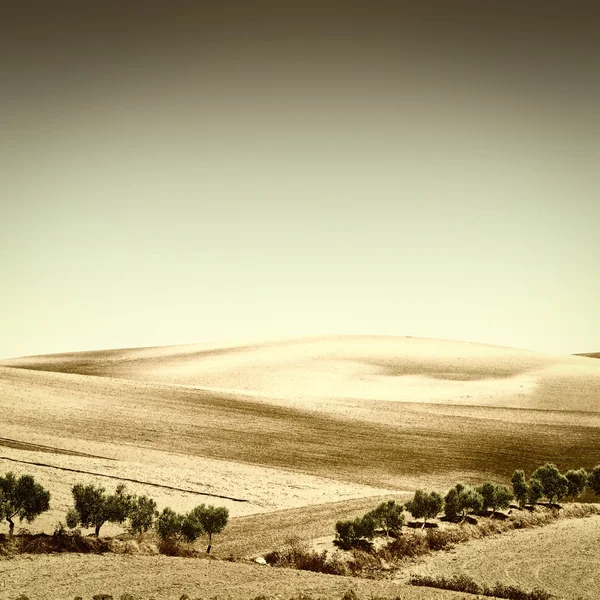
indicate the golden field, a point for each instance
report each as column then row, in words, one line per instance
column 290, row 435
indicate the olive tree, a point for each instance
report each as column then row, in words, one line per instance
column 21, row 498
column 577, row 482
column 594, row 480
column 389, row 516
column 142, row 512
column 520, row 487
column 494, row 496
column 178, row 527
column 555, row 485
column 425, row 506
column 94, row 507
column 354, row 533
column 212, row 519
column 535, row 491
column 461, row 500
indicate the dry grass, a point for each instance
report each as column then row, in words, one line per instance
column 560, row 558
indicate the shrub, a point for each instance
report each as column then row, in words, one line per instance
column 464, row 583
column 212, row 520
column 22, row 498
column 388, row 516
column 555, row 485
column 425, row 506
column 356, row 533
column 295, row 555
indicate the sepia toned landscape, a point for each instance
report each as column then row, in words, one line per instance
column 299, row 300
column 292, row 436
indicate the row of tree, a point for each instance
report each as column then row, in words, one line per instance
column 545, row 482
column 24, row 499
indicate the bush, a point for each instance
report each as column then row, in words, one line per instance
column 93, row 507
column 425, row 506
column 464, row 583
column 296, row 555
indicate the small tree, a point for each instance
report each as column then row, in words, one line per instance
column 461, row 500
column 389, row 516
column 534, row 491
column 594, row 480
column 520, row 487
column 93, row 507
column 494, row 496
column 169, row 524
column 142, row 513
column 577, row 482
column 354, row 533
column 425, row 506
column 555, row 485
column 22, row 498
column 213, row 519
column 175, row 527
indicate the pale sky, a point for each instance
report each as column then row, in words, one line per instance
column 277, row 189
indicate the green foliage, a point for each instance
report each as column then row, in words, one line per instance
column 494, row 496
column 142, row 513
column 389, row 516
column 212, row 520
column 93, row 507
column 535, row 491
column 520, row 487
column 425, row 506
column 169, row 524
column 577, row 482
column 23, row 498
column 555, row 485
column 462, row 500
column 594, row 480
column 355, row 533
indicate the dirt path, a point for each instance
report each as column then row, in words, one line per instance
column 561, row 558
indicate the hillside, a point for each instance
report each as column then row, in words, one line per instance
column 283, row 425
column 590, row 354
column 399, row 369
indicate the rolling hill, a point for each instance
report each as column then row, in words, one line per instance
column 281, row 425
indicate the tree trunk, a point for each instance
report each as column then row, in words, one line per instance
column 11, row 527
column 97, row 530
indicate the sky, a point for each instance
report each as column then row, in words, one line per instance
column 178, row 173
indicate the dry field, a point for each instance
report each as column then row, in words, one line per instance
column 561, row 558
column 62, row 577
column 294, row 435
